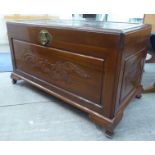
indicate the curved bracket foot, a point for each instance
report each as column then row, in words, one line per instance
column 14, row 78
column 139, row 92
column 14, row 81
column 109, row 134
column 138, row 96
column 108, row 124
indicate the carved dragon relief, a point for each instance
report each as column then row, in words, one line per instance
column 58, row 71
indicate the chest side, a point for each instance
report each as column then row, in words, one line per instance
column 132, row 63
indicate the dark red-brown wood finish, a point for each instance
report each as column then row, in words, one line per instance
column 94, row 66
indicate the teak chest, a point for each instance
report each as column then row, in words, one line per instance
column 94, row 66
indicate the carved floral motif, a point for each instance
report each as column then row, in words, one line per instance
column 58, row 71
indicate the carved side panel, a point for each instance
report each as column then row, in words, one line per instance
column 132, row 74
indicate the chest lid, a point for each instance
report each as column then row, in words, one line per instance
column 94, row 26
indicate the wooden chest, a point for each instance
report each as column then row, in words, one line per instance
column 94, row 66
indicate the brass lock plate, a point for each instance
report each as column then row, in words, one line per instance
column 45, row 37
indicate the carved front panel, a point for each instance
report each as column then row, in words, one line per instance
column 77, row 74
column 132, row 74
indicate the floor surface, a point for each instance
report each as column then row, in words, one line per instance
column 27, row 113
column 4, row 48
column 5, row 62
